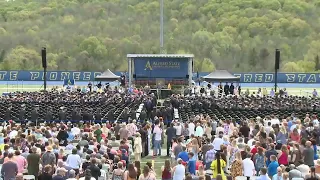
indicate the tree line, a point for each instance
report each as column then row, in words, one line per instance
column 93, row 35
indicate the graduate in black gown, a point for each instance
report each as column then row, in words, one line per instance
column 226, row 89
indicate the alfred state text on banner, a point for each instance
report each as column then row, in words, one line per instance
column 270, row 77
column 89, row 76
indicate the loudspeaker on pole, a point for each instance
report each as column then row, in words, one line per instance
column 277, row 60
column 44, row 57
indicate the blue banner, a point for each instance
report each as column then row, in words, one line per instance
column 161, row 67
column 163, row 70
column 51, row 75
column 270, row 77
column 282, row 77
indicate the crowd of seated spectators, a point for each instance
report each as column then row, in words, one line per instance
column 272, row 145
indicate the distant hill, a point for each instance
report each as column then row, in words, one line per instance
column 238, row 35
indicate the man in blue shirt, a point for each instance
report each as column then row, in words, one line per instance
column 183, row 155
column 269, row 153
column 191, row 164
column 272, row 167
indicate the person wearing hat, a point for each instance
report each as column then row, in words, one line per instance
column 48, row 158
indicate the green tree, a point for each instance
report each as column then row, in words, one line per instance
column 22, row 58
column 253, row 58
column 205, row 65
column 291, row 67
column 98, row 34
column 317, row 63
column 2, row 55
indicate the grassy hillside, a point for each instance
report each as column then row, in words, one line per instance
column 238, row 35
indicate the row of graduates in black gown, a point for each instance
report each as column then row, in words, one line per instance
column 65, row 106
column 76, row 114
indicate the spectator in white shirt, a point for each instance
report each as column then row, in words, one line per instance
column 248, row 167
column 251, row 141
column 74, row 161
column 315, row 120
column 191, row 128
column 178, row 129
column 268, row 128
column 75, row 130
column 13, row 133
column 218, row 141
column 157, row 131
column 273, row 120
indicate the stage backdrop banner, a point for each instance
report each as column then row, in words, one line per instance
column 162, row 70
column 160, row 67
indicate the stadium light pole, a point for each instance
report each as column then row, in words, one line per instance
column 161, row 26
column 44, row 65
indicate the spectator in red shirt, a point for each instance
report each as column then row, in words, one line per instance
column 254, row 150
column 295, row 136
